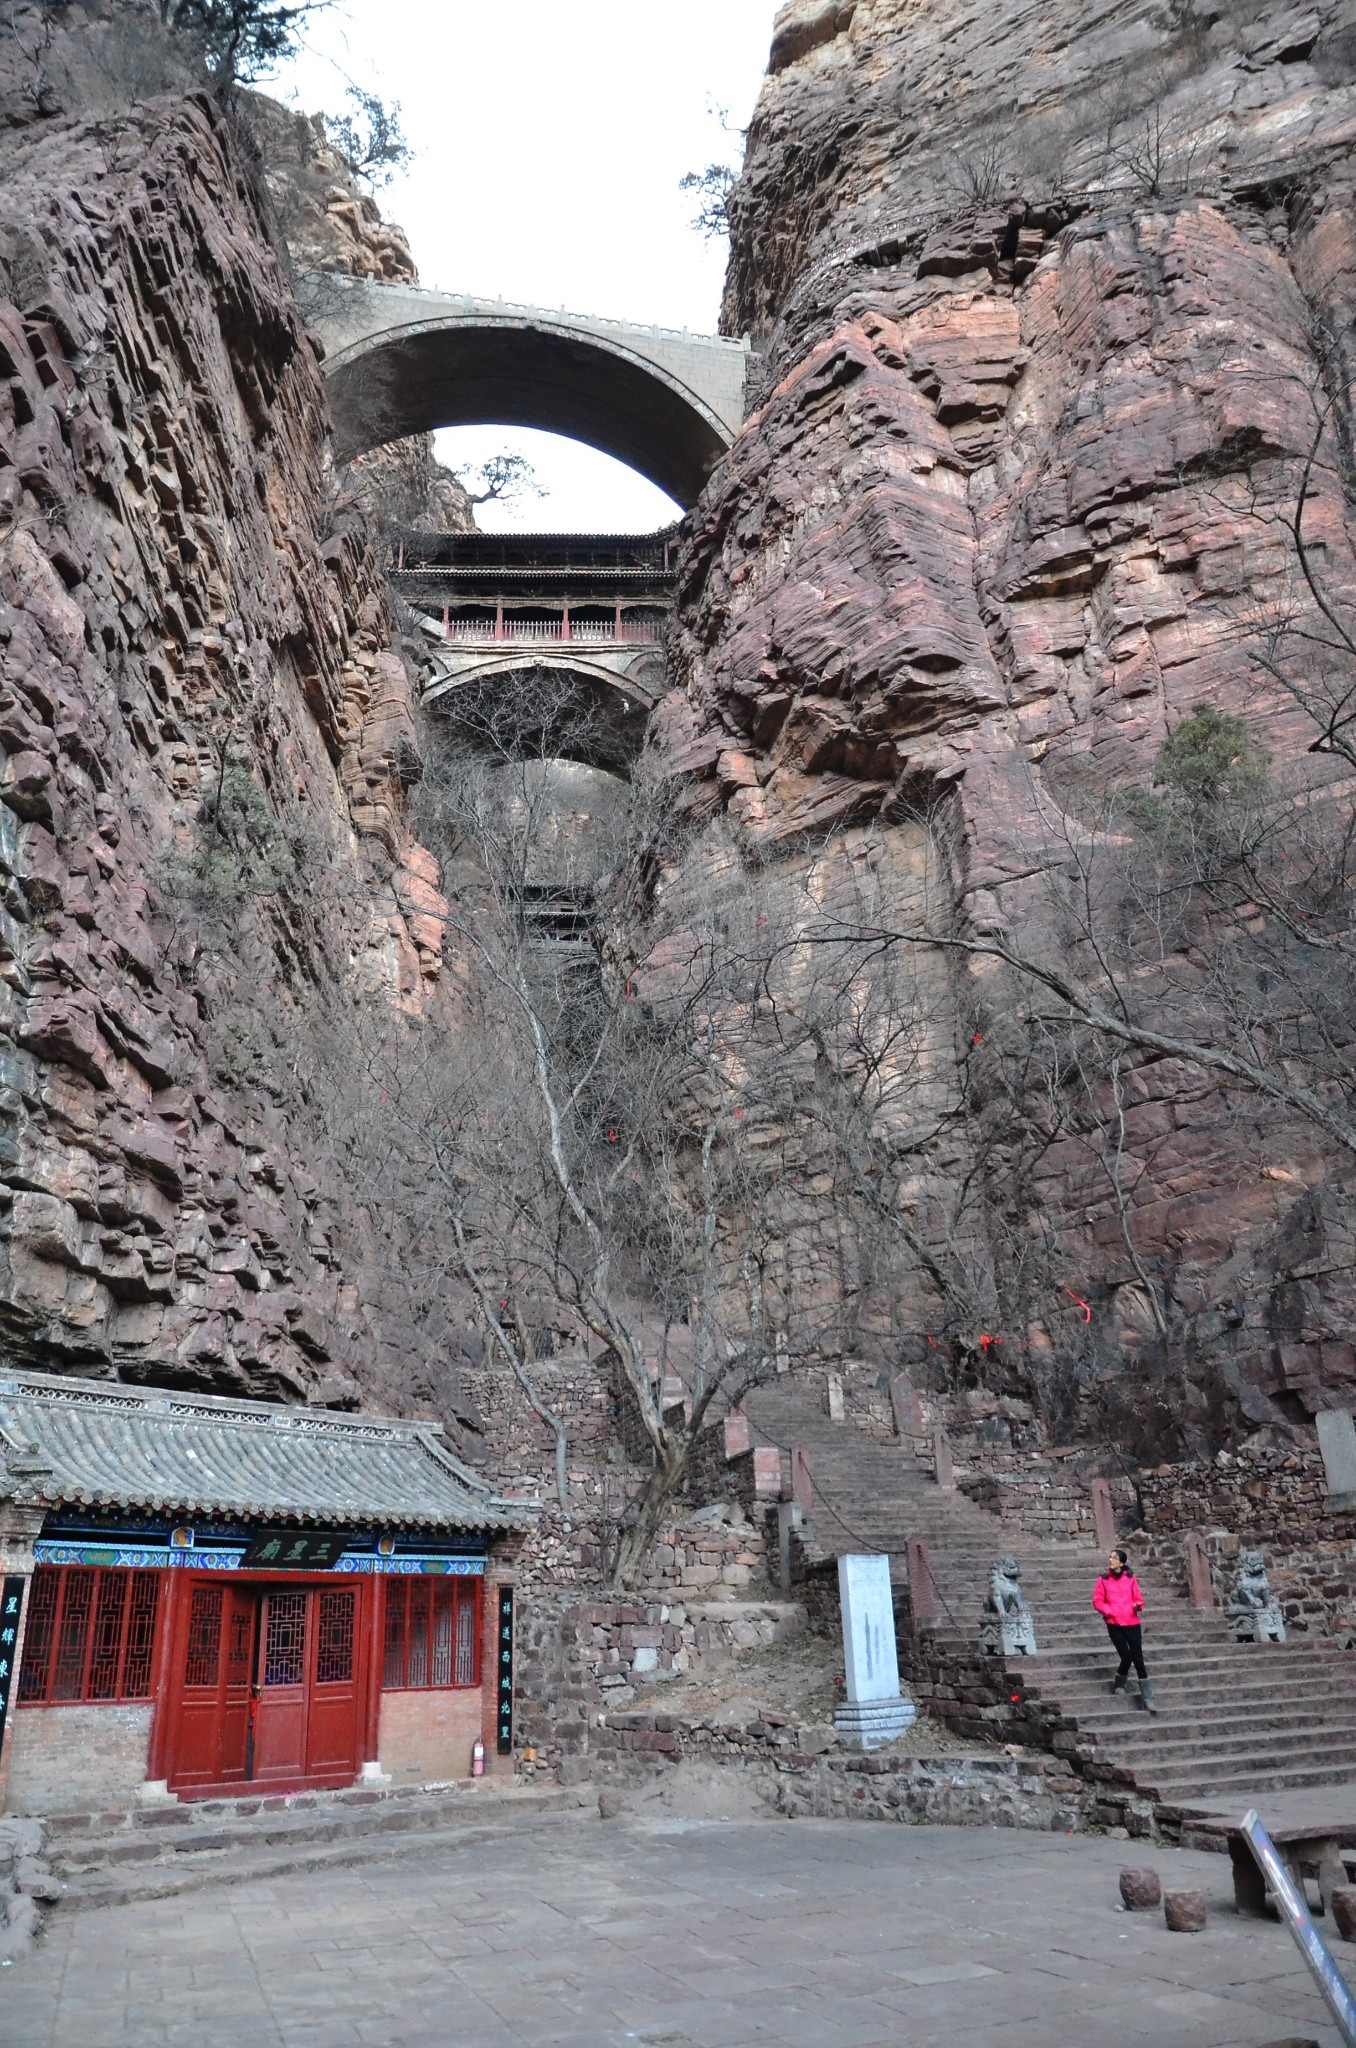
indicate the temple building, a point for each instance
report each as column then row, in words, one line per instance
column 204, row 1597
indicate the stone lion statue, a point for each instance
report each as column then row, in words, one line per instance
column 1008, row 1628
column 1254, row 1613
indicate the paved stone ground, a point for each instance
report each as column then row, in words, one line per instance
column 804, row 1934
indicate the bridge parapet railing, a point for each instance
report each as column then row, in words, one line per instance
column 587, row 632
column 515, row 309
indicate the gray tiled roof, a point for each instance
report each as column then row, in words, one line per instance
column 97, row 1443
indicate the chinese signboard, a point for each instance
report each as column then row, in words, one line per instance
column 11, row 1611
column 293, row 1550
column 504, row 1669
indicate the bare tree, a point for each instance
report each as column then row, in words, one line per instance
column 710, row 190
column 681, row 1130
column 501, row 477
column 241, row 40
column 369, row 137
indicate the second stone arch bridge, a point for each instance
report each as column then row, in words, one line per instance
column 590, row 610
column 582, row 618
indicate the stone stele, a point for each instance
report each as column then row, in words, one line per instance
column 874, row 1711
column 1337, row 1441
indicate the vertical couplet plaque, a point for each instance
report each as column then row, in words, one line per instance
column 504, row 1670
column 11, row 1612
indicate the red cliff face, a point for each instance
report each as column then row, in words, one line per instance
column 1032, row 404
column 188, row 606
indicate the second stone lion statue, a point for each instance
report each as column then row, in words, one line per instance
column 1253, row 1611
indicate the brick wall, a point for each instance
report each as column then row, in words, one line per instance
column 425, row 1737
column 68, row 1758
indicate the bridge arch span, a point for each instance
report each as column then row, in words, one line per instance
column 402, row 360
column 552, row 704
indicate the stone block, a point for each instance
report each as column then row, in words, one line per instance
column 1141, row 1890
column 767, row 1472
column 906, row 1406
column 1184, row 1911
column 1200, row 1582
column 738, row 1433
column 1344, row 1911
column 609, row 1805
column 1337, row 1442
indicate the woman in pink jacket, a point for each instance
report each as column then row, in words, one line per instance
column 1120, row 1603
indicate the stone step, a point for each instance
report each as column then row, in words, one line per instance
column 186, row 1831
column 1179, row 1788
column 109, row 1885
column 1258, row 1663
column 1231, row 1691
column 1269, row 1719
column 170, row 1813
column 1140, row 1753
column 1315, row 1711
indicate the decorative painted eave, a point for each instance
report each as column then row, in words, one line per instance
column 100, row 1444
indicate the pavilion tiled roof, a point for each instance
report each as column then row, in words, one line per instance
column 98, row 1443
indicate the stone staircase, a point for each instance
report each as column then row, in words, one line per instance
column 152, row 1852
column 1235, row 1719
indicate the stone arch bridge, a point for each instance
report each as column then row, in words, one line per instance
column 402, row 360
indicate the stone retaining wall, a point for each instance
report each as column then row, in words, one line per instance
column 1272, row 1495
column 1007, row 1792
column 798, row 1778
column 1043, row 1501
column 576, row 1659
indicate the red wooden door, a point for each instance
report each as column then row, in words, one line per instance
column 215, row 1662
column 280, row 1702
column 332, row 1721
column 267, row 1686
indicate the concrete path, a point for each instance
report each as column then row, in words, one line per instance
column 803, row 1934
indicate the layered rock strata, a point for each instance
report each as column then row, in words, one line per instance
column 192, row 617
column 1048, row 304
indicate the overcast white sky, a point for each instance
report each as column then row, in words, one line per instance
column 549, row 137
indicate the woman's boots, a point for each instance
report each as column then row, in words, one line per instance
column 1146, row 1693
column 1118, row 1682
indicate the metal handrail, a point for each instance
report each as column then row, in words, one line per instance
column 1295, row 1912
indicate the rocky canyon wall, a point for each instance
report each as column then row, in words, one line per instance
column 1048, row 302
column 207, row 739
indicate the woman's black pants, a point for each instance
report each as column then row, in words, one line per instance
column 1129, row 1643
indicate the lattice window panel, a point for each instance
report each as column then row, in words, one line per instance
column 202, row 1660
column 285, row 1639
column 334, row 1637
column 432, row 1633
column 91, row 1635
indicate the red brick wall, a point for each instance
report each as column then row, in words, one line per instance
column 428, row 1736
column 65, row 1759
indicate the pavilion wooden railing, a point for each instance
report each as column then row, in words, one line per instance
column 583, row 632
